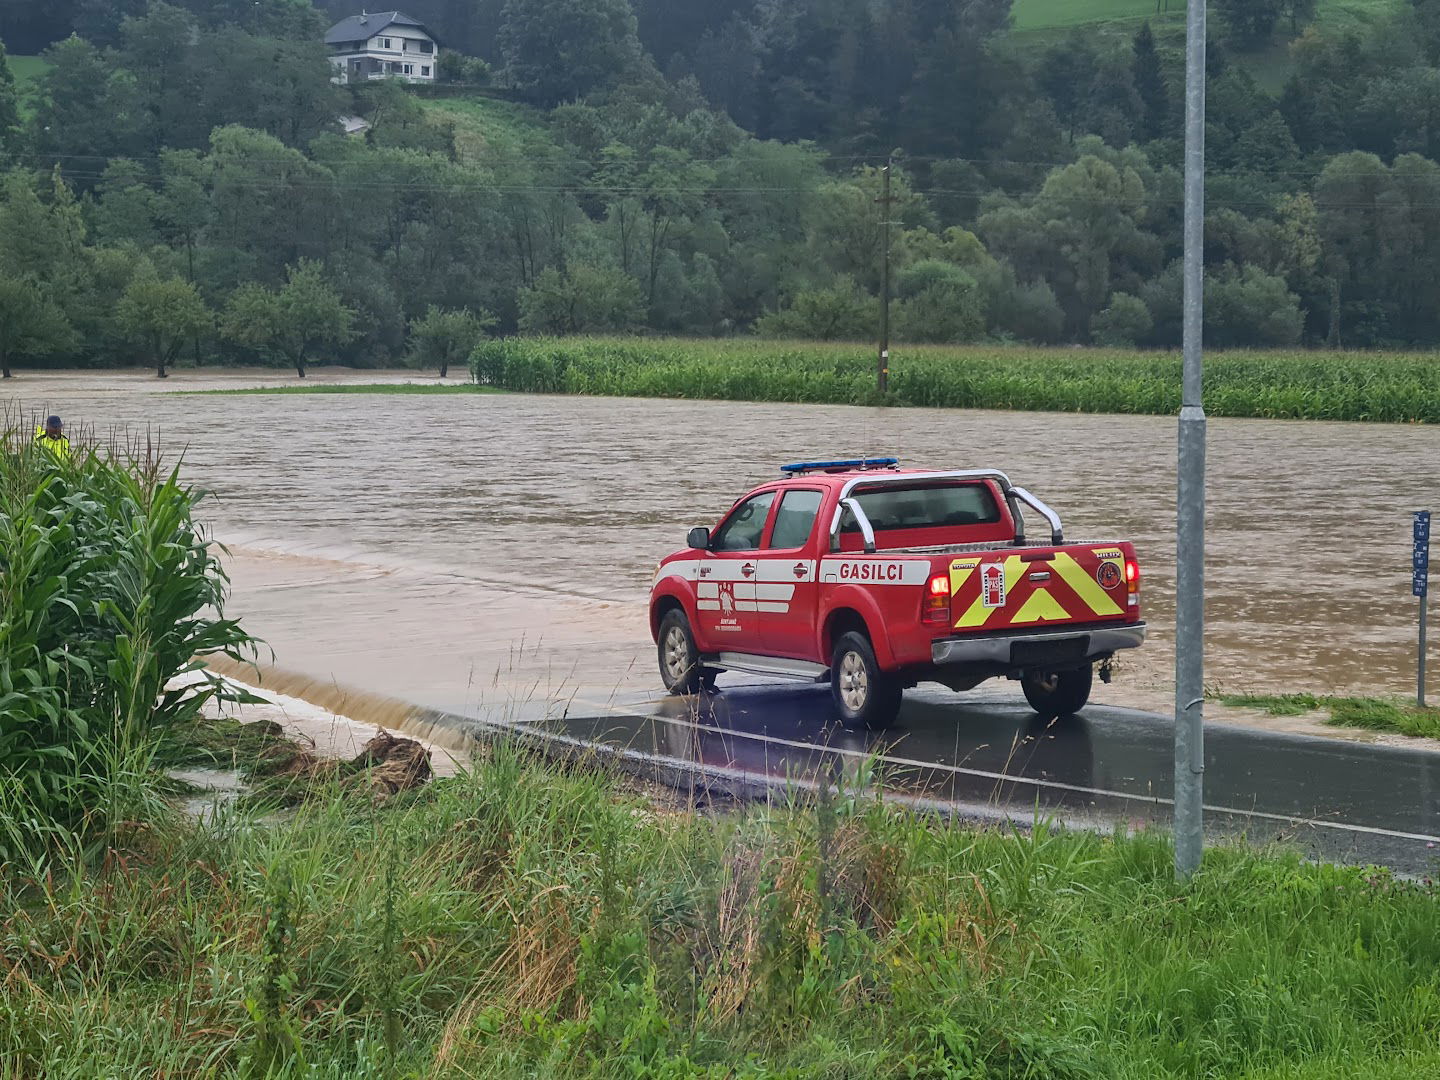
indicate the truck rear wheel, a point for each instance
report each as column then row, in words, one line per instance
column 1058, row 693
column 680, row 668
column 864, row 695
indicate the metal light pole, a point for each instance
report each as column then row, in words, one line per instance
column 1190, row 507
column 882, row 372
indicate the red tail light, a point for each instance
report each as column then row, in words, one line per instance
column 1132, row 581
column 936, row 609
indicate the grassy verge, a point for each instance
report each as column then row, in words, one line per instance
column 1395, row 387
column 359, row 388
column 1372, row 714
column 520, row 923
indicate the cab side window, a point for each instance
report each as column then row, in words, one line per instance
column 795, row 519
column 743, row 528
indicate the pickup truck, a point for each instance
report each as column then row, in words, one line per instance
column 875, row 578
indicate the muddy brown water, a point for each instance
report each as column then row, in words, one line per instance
column 571, row 502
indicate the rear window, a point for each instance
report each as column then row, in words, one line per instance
column 925, row 507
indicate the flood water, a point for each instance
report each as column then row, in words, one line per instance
column 1309, row 523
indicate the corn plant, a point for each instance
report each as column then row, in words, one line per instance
column 109, row 592
column 1387, row 387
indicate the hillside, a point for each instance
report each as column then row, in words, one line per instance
column 1043, row 22
column 1054, row 14
column 26, row 69
column 487, row 128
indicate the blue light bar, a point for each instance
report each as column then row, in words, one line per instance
column 837, row 466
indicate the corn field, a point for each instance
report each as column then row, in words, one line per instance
column 108, row 592
column 1298, row 385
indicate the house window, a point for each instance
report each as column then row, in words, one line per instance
column 385, row 43
column 409, row 69
column 425, row 71
column 427, row 46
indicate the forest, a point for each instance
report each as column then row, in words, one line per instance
column 177, row 186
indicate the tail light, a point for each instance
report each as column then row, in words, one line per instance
column 1132, row 581
column 936, row 610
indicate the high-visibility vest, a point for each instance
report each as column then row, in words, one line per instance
column 58, row 445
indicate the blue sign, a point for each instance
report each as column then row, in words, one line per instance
column 1420, row 558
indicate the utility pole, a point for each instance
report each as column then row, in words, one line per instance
column 882, row 375
column 1190, row 506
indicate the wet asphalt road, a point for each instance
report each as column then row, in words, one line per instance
column 989, row 755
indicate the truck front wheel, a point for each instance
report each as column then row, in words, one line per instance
column 1058, row 693
column 680, row 668
column 864, row 695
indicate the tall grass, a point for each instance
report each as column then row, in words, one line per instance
column 1394, row 387
column 520, row 923
column 108, row 592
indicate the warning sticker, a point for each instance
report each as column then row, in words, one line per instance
column 992, row 585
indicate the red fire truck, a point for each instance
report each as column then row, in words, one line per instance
column 875, row 578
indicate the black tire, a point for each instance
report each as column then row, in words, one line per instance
column 680, row 668
column 1058, row 693
column 865, row 696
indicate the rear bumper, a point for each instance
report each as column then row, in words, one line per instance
column 1074, row 644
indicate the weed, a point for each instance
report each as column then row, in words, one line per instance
column 1371, row 714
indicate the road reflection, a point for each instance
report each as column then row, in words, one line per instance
column 1107, row 767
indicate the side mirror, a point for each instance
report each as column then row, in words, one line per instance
column 699, row 539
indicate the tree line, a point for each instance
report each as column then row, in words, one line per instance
column 177, row 187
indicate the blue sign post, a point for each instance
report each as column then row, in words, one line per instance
column 1420, row 586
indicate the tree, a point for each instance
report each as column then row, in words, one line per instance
column 9, row 103
column 31, row 325
column 558, row 50
column 162, row 314
column 1298, row 11
column 87, row 110
column 842, row 312
column 939, row 303
column 442, row 338
column 1124, row 322
column 1080, row 231
column 1067, row 75
column 1251, row 22
column 454, row 67
column 289, row 323
column 1248, row 307
column 1149, row 78
column 584, row 299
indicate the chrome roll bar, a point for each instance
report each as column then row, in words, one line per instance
column 1014, row 496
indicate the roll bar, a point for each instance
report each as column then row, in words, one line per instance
column 1014, row 496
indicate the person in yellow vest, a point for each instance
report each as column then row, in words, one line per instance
column 52, row 438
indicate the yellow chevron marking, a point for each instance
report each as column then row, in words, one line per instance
column 978, row 614
column 1041, row 607
column 1085, row 585
column 960, row 571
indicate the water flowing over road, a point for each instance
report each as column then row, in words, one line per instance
column 486, row 554
column 566, row 500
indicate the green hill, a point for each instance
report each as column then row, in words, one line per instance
column 488, row 128
column 27, row 70
column 1058, row 14
column 1054, row 14
column 1042, row 22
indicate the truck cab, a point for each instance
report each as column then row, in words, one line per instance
column 876, row 578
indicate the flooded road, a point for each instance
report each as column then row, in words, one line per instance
column 555, row 511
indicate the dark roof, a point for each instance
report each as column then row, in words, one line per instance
column 360, row 27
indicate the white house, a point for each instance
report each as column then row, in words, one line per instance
column 382, row 45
